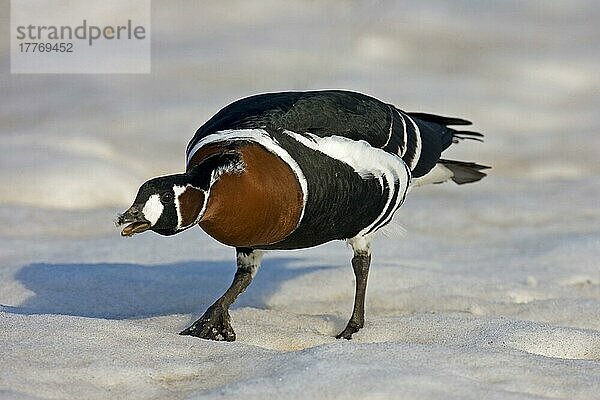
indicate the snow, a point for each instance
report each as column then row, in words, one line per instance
column 493, row 291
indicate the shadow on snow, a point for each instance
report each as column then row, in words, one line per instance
column 120, row 291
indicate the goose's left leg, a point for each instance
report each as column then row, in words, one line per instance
column 215, row 323
column 360, row 264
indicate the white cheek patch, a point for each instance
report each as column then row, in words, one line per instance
column 153, row 209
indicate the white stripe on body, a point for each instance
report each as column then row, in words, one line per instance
column 261, row 137
column 402, row 151
column 391, row 132
column 413, row 163
column 179, row 190
column 368, row 162
column 399, row 200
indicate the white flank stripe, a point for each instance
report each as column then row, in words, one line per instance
column 153, row 209
column 261, row 137
column 367, row 161
column 391, row 128
column 404, row 143
column 399, row 200
column 415, row 159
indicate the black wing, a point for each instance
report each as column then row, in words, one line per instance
column 418, row 138
column 323, row 113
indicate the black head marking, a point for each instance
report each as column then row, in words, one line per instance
column 156, row 199
column 156, row 204
column 202, row 175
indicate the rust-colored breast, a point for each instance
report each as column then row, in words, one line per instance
column 190, row 205
column 260, row 206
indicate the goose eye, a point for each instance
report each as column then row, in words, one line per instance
column 166, row 197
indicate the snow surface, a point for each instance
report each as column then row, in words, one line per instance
column 493, row 292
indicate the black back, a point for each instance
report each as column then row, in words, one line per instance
column 341, row 113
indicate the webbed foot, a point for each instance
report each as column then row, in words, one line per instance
column 213, row 325
column 350, row 329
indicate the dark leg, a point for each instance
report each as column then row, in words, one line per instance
column 215, row 323
column 360, row 264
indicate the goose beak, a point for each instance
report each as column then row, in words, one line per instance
column 136, row 221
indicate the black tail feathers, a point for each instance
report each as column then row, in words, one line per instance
column 439, row 119
column 464, row 172
column 449, row 135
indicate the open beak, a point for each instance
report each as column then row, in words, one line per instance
column 136, row 221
